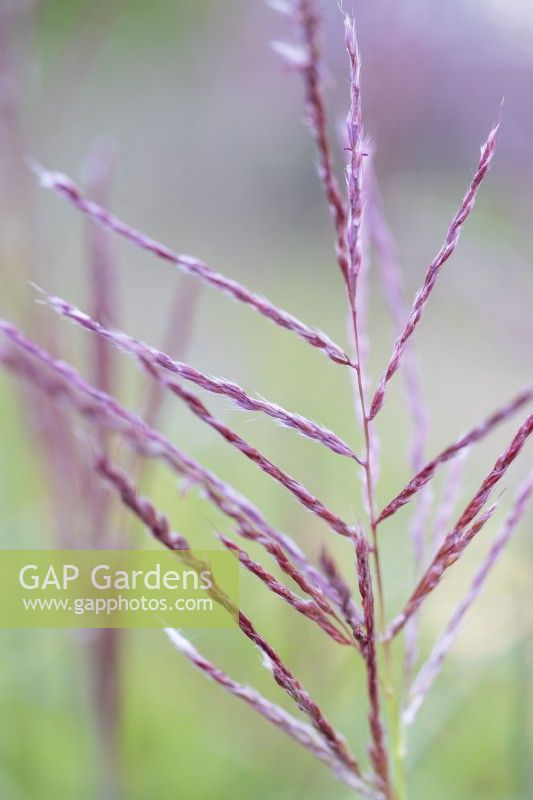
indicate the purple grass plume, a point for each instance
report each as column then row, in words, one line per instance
column 342, row 592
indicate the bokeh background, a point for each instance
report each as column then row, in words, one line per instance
column 212, row 159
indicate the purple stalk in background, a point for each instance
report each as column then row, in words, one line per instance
column 103, row 292
column 98, row 170
column 22, row 256
column 105, row 652
column 176, row 342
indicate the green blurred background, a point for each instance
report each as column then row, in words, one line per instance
column 212, row 159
